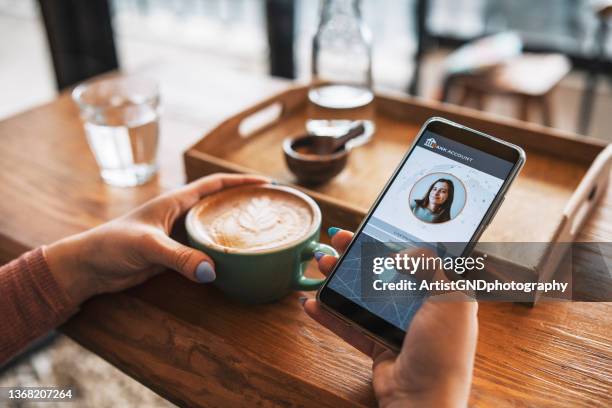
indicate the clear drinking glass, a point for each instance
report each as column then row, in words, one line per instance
column 341, row 57
column 121, row 119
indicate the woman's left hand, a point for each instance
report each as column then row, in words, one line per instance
column 130, row 249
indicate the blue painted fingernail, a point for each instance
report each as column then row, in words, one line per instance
column 205, row 273
column 275, row 183
column 302, row 300
column 318, row 255
column 332, row 231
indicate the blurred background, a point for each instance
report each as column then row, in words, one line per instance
column 412, row 40
column 560, row 76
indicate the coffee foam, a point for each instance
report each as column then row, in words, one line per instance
column 253, row 218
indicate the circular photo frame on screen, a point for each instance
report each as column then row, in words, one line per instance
column 437, row 198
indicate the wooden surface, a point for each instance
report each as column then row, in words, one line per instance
column 194, row 347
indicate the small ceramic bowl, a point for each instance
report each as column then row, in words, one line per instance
column 311, row 168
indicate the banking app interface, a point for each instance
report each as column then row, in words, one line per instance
column 440, row 194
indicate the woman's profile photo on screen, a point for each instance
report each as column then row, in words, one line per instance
column 437, row 198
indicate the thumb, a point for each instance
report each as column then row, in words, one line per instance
column 191, row 263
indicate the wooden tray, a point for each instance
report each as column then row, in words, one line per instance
column 563, row 178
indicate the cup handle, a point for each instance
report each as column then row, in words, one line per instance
column 304, row 283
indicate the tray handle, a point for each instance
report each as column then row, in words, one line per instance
column 591, row 188
column 259, row 118
column 264, row 114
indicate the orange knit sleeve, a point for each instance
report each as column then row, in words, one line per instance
column 31, row 302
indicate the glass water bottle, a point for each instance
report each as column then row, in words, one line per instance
column 341, row 57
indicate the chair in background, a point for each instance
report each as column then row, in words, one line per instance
column 495, row 66
column 603, row 11
column 80, row 37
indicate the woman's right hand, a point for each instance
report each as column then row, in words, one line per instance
column 132, row 248
column 434, row 366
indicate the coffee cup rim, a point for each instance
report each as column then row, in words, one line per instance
column 316, row 224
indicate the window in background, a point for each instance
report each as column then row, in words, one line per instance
column 232, row 33
column 565, row 26
column 228, row 33
column 26, row 73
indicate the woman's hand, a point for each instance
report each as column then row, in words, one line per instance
column 434, row 367
column 130, row 249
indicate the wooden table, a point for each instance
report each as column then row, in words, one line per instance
column 194, row 347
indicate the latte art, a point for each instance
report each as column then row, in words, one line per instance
column 258, row 215
column 253, row 218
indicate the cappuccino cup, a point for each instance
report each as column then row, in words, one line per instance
column 261, row 238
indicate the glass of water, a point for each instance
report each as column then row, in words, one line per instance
column 121, row 119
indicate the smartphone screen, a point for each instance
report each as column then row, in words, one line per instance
column 444, row 190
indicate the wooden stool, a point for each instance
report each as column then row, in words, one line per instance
column 528, row 78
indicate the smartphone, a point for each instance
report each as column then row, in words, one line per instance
column 447, row 188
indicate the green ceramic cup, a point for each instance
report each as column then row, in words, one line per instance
column 264, row 276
